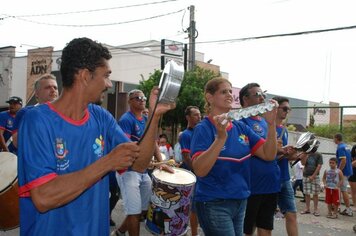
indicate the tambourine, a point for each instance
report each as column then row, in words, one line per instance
column 170, row 82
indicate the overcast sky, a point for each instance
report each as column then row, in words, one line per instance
column 316, row 67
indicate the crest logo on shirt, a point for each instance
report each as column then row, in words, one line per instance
column 98, row 146
column 9, row 123
column 258, row 129
column 243, row 139
column 61, row 150
column 61, row 153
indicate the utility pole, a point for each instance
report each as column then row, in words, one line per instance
column 191, row 35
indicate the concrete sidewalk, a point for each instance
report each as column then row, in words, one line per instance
column 308, row 224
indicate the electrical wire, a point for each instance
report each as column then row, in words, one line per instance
column 99, row 25
column 93, row 10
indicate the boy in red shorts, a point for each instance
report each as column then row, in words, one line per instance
column 332, row 180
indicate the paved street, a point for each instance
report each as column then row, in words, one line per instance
column 308, row 224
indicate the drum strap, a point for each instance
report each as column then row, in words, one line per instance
column 9, row 141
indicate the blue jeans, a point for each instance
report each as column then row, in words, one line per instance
column 286, row 200
column 222, row 217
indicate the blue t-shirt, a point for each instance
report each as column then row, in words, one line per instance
column 51, row 145
column 282, row 133
column 184, row 141
column 229, row 178
column 265, row 175
column 132, row 126
column 343, row 151
column 7, row 125
column 19, row 117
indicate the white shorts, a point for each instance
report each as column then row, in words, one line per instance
column 135, row 190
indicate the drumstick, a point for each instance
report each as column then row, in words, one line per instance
column 169, row 162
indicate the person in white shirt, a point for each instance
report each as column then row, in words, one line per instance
column 298, row 171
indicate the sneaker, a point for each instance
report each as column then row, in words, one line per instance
column 347, row 212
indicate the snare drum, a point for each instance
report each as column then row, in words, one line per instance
column 9, row 198
column 168, row 213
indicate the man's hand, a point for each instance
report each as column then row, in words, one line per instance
column 161, row 107
column 123, row 155
column 166, row 168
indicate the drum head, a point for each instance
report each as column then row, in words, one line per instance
column 8, row 169
column 179, row 177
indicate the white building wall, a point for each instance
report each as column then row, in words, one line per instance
column 19, row 73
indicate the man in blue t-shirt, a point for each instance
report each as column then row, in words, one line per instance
column 344, row 163
column 46, row 90
column 285, row 153
column 7, row 119
column 262, row 202
column 193, row 117
column 68, row 147
column 135, row 186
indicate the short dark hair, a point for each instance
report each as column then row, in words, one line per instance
column 188, row 110
column 244, row 91
column 280, row 99
column 81, row 53
column 333, row 159
column 338, row 137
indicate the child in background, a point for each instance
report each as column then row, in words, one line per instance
column 332, row 180
column 298, row 182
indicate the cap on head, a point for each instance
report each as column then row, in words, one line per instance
column 14, row 99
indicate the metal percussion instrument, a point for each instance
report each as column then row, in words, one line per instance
column 170, row 82
column 249, row 111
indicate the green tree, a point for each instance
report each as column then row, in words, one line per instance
column 191, row 93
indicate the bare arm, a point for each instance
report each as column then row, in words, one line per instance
column 316, row 172
column 341, row 178
column 342, row 163
column 268, row 150
column 324, row 178
column 2, row 141
column 187, row 160
column 14, row 139
column 204, row 162
column 65, row 188
column 147, row 144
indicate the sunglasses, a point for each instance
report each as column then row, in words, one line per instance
column 139, row 98
column 258, row 94
column 285, row 109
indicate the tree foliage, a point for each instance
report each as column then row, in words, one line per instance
column 191, row 93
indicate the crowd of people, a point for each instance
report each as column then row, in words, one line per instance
column 75, row 159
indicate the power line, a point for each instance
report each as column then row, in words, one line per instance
column 103, row 24
column 279, row 35
column 232, row 40
column 90, row 11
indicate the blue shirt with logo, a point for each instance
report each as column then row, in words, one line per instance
column 265, row 175
column 132, row 126
column 229, row 178
column 51, row 145
column 184, row 142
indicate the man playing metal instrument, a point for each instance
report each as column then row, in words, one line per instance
column 262, row 203
column 286, row 200
column 135, row 186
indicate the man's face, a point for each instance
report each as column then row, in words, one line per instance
column 99, row 83
column 194, row 117
column 14, row 107
column 255, row 96
column 283, row 110
column 47, row 91
column 137, row 101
